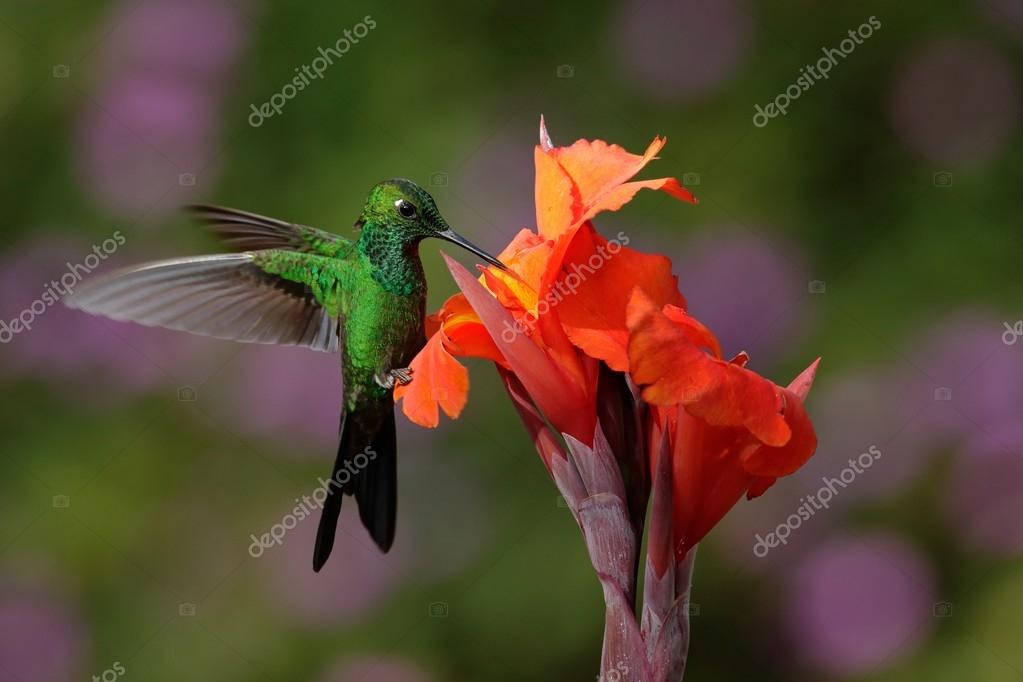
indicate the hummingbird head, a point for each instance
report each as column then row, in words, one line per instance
column 407, row 212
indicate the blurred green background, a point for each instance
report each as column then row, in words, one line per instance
column 876, row 224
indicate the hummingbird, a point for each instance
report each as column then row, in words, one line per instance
column 295, row 285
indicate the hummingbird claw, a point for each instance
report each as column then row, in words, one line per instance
column 399, row 376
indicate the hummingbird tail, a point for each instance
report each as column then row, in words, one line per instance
column 366, row 467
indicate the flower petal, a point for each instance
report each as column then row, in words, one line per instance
column 553, row 194
column 615, row 198
column 558, row 396
column 595, row 288
column 782, row 461
column 664, row 360
column 438, row 380
column 573, row 184
column 465, row 334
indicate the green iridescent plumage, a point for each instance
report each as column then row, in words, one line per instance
column 297, row 285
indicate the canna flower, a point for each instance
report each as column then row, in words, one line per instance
column 551, row 310
column 628, row 399
column 729, row 431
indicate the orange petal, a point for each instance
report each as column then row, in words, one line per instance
column 527, row 256
column 598, row 168
column 672, row 369
column 553, row 196
column 561, row 400
column 438, row 381
column 616, row 197
column 575, row 183
column 594, row 289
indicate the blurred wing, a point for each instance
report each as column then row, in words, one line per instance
column 243, row 231
column 226, row 296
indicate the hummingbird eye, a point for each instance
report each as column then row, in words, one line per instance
column 405, row 209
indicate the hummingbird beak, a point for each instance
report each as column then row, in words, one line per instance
column 455, row 238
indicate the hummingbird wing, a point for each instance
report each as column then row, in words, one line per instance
column 227, row 296
column 244, row 231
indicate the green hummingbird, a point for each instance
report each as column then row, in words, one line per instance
column 295, row 285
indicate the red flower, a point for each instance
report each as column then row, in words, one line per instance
column 625, row 394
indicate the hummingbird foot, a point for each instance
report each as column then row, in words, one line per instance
column 399, row 376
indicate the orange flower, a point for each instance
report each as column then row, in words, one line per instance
column 627, row 398
column 573, row 300
column 562, row 307
column 729, row 431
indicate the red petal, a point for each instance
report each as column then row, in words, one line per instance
column 558, row 397
column 594, row 288
column 664, row 359
column 784, row 460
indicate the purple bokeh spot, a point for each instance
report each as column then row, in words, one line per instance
column 183, row 37
column 144, row 135
column 956, row 101
column 41, row 638
column 288, row 393
column 857, row 604
column 961, row 378
column 682, row 49
column 984, row 505
column 859, row 419
column 148, row 138
column 749, row 290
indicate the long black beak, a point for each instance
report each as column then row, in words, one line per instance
column 455, row 238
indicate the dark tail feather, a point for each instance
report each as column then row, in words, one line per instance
column 376, row 488
column 374, row 485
